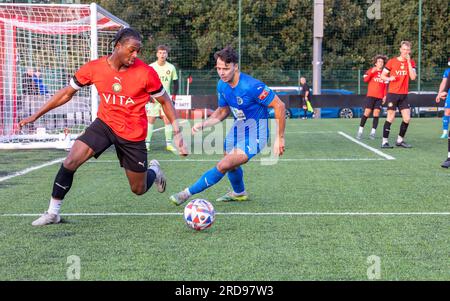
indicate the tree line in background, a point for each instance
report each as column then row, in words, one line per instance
column 278, row 35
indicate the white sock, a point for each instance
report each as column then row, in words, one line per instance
column 54, row 206
column 373, row 131
column 448, row 156
column 385, row 140
column 444, row 132
column 360, row 130
column 188, row 192
column 399, row 139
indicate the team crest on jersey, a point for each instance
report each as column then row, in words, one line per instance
column 402, row 66
column 390, row 105
column 168, row 72
column 239, row 100
column 117, row 87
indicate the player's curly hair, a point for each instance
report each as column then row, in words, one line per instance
column 379, row 56
column 125, row 34
column 228, row 55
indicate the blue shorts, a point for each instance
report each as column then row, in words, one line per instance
column 447, row 101
column 251, row 144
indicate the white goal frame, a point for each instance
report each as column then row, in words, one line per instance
column 24, row 28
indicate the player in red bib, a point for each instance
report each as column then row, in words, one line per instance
column 398, row 71
column 376, row 95
column 124, row 84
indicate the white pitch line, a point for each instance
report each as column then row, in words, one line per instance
column 30, row 169
column 306, row 132
column 244, row 214
column 376, row 151
column 259, row 160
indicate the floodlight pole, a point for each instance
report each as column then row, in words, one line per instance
column 240, row 36
column 317, row 49
column 419, row 59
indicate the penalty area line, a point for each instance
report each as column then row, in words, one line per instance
column 376, row 151
column 30, row 169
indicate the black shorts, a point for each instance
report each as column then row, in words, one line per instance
column 132, row 154
column 399, row 101
column 373, row 103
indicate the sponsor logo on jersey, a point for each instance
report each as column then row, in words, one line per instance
column 117, row 100
column 401, row 72
column 264, row 93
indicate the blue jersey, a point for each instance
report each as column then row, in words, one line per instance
column 248, row 102
column 446, row 75
column 447, row 100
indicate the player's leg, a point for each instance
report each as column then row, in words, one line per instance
column 364, row 117
column 168, row 131
column 305, row 110
column 79, row 153
column 446, row 163
column 152, row 112
column 133, row 158
column 230, row 161
column 376, row 116
column 446, row 118
column 405, row 110
column 391, row 100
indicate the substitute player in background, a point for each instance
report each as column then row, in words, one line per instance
column 304, row 94
column 167, row 74
column 376, row 95
column 398, row 71
column 248, row 99
column 446, row 117
column 124, row 84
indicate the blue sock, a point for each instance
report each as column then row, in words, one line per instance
column 445, row 120
column 236, row 178
column 207, row 180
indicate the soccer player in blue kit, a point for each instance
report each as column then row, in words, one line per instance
column 446, row 117
column 248, row 99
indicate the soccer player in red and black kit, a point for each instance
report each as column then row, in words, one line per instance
column 376, row 95
column 398, row 71
column 124, row 84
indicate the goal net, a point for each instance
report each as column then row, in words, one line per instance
column 41, row 47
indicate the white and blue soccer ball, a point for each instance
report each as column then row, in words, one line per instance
column 199, row 214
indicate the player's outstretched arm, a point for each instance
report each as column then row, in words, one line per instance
column 58, row 99
column 217, row 116
column 169, row 110
column 280, row 115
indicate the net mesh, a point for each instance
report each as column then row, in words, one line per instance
column 41, row 46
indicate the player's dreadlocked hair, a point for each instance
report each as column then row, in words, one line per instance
column 228, row 55
column 125, row 34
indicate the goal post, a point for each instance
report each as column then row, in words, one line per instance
column 41, row 47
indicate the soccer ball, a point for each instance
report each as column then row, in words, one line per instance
column 199, row 214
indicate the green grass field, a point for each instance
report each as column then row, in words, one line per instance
column 341, row 202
